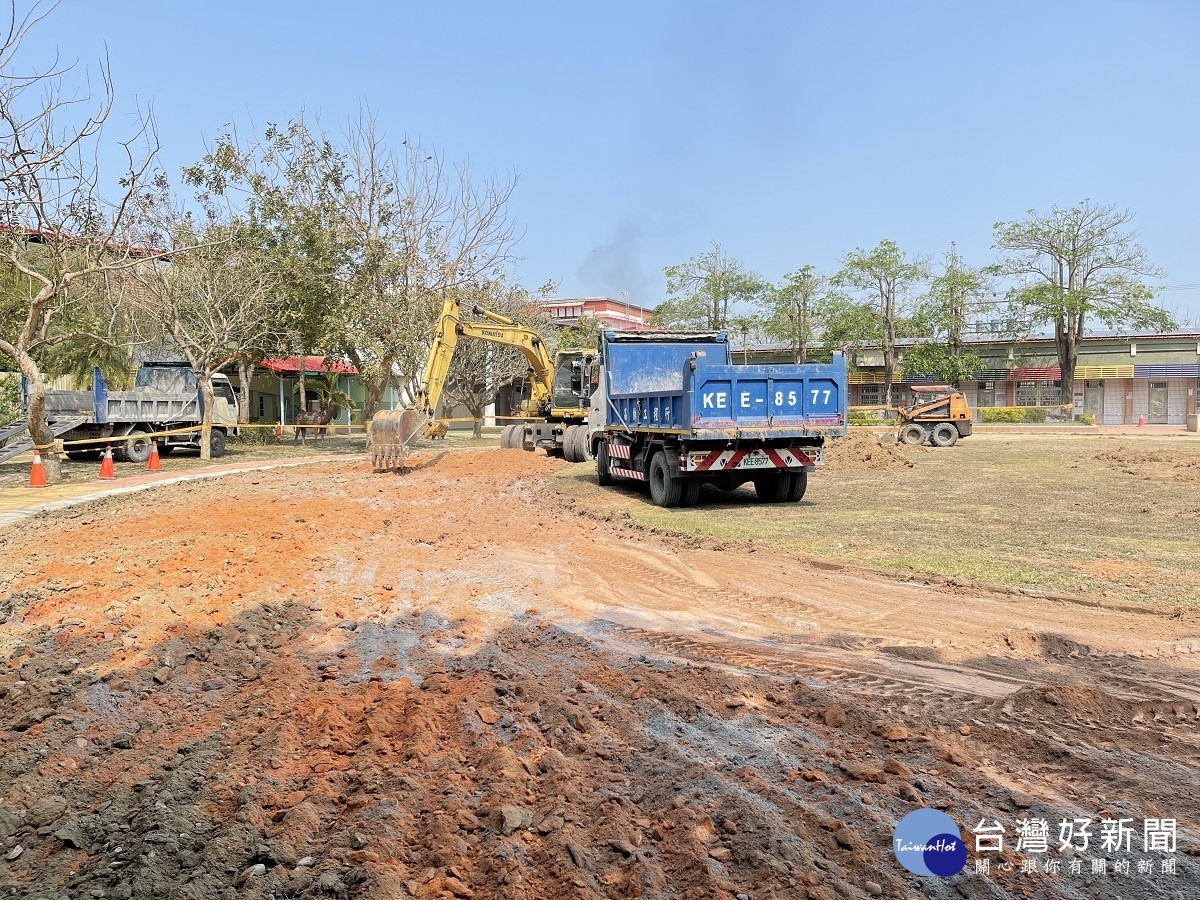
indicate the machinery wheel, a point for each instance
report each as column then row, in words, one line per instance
column 603, row 475
column 691, row 492
column 504, row 433
column 665, row 486
column 166, row 449
column 945, row 435
column 912, row 434
column 216, row 444
column 773, row 487
column 136, row 447
column 568, row 443
column 582, row 448
column 799, row 485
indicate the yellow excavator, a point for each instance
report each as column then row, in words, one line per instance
column 555, row 412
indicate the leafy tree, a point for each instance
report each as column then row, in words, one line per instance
column 793, row 310
column 888, row 278
column 585, row 333
column 1083, row 265
column 954, row 297
column 287, row 188
column 703, row 289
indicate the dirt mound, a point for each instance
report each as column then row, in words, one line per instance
column 1181, row 465
column 861, row 450
column 324, row 683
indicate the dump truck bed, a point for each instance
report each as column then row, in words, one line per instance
column 687, row 385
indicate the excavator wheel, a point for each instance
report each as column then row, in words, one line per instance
column 945, row 435
column 582, row 450
column 912, row 434
column 506, row 437
column 568, row 444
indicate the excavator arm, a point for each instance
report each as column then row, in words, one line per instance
column 497, row 329
column 392, row 431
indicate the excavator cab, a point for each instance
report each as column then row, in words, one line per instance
column 570, row 372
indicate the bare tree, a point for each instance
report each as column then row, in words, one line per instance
column 416, row 229
column 212, row 302
column 62, row 228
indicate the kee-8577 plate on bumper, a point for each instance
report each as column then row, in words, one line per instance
column 724, row 460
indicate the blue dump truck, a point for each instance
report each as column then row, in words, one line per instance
column 673, row 410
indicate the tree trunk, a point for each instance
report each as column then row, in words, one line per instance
column 206, row 396
column 373, row 394
column 43, row 437
column 245, row 373
column 303, row 391
column 476, row 411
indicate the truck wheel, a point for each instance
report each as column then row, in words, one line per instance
column 691, row 492
column 136, row 448
column 665, row 485
column 912, row 434
column 216, row 443
column 166, row 449
column 773, row 487
column 799, row 485
column 945, row 435
column 603, row 475
column 568, row 444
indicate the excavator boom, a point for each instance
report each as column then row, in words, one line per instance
column 392, row 431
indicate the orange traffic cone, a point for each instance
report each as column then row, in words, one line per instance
column 153, row 464
column 107, row 472
column 37, row 475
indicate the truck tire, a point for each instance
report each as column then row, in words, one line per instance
column 665, row 485
column 568, row 444
column 691, row 492
column 945, row 435
column 216, row 443
column 136, row 447
column 773, row 487
column 912, row 434
column 166, row 449
column 603, row 475
column 799, row 485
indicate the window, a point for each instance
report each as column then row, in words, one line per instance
column 1039, row 393
column 223, row 391
column 262, row 406
column 870, row 395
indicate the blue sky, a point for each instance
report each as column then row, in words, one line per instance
column 641, row 132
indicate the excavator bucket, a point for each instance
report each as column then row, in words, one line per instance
column 392, row 432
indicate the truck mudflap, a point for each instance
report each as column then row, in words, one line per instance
column 763, row 458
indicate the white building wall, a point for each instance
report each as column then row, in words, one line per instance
column 1176, row 400
column 1114, row 401
column 1141, row 398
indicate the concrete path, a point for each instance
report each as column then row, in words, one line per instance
column 22, row 502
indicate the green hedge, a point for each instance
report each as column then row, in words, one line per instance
column 1012, row 415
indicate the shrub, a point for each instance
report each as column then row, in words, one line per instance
column 253, row 437
column 1012, row 415
column 1085, row 419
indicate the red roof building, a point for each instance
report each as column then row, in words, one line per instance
column 611, row 313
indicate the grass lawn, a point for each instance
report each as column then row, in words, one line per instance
column 1108, row 517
